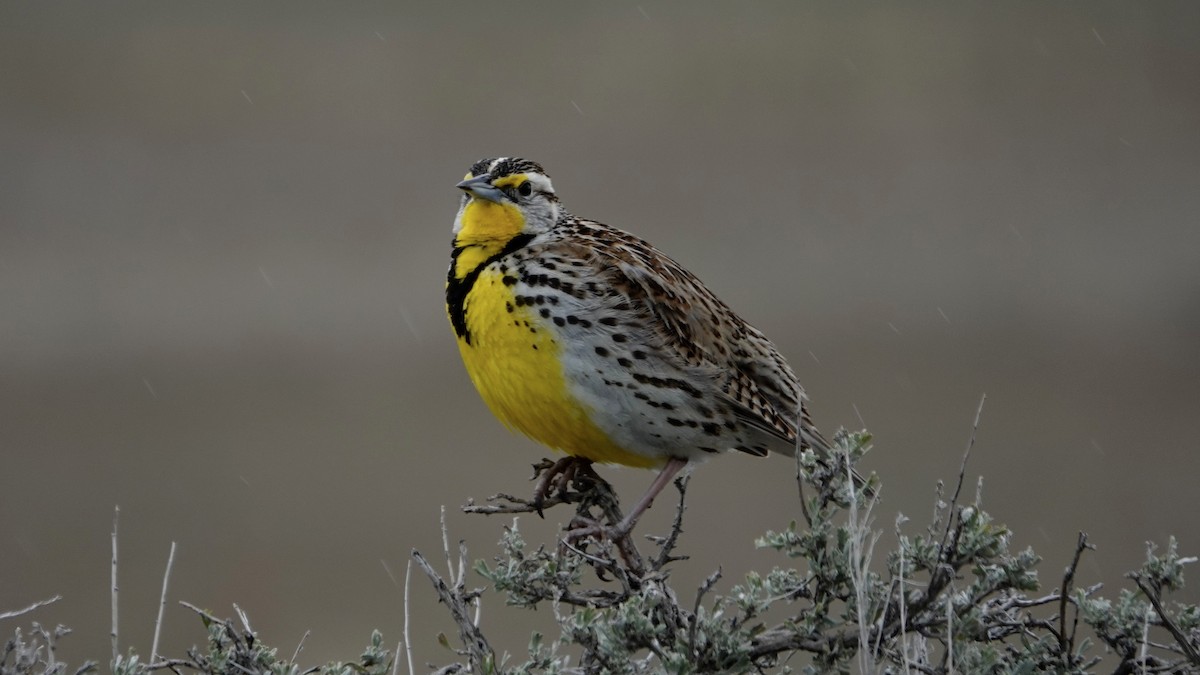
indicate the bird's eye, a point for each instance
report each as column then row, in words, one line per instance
column 525, row 189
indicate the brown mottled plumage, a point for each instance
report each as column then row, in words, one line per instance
column 723, row 361
column 595, row 343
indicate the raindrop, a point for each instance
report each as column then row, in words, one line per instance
column 859, row 415
column 412, row 328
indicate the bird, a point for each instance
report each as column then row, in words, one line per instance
column 593, row 342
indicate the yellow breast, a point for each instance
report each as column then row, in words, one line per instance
column 514, row 359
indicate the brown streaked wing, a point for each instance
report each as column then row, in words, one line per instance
column 703, row 333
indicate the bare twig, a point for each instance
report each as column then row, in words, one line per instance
column 668, row 543
column 405, row 643
column 939, row 507
column 904, row 652
column 967, row 453
column 1066, row 644
column 162, row 602
column 862, row 546
column 300, row 646
column 1189, row 650
column 241, row 614
column 607, row 564
column 407, row 639
column 446, row 546
column 209, row 618
column 40, row 603
column 547, row 473
column 462, row 578
column 173, row 665
column 962, row 471
column 502, row 503
column 49, row 638
column 1145, row 645
column 631, row 575
column 114, row 634
column 950, row 634
column 700, row 593
column 479, row 652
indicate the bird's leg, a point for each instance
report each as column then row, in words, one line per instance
column 569, row 473
column 621, row 530
column 596, row 493
column 563, row 470
column 663, row 479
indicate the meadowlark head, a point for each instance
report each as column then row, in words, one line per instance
column 504, row 197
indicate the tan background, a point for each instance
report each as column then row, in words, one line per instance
column 224, row 230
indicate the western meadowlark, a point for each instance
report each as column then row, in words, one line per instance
column 593, row 342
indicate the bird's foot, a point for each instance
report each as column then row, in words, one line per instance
column 554, row 479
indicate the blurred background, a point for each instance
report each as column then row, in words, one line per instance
column 224, row 229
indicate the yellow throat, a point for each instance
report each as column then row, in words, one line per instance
column 511, row 354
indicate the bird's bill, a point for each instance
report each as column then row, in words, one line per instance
column 481, row 187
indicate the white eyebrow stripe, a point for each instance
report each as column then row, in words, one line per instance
column 541, row 182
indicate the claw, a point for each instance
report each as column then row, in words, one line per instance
column 559, row 474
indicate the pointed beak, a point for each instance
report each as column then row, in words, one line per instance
column 481, row 187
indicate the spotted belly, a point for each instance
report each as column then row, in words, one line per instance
column 572, row 368
column 515, row 358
